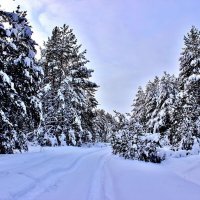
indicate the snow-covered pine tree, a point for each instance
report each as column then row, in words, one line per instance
column 68, row 95
column 120, row 136
column 169, row 109
column 20, row 110
column 85, row 90
column 104, row 125
column 151, row 100
column 189, row 97
column 168, row 90
column 152, row 109
column 138, row 115
column 122, row 121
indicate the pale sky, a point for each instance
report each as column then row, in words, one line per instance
column 128, row 42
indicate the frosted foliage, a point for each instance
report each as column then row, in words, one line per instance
column 19, row 82
column 67, row 95
column 167, row 112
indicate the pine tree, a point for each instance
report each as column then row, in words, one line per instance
column 151, row 100
column 189, row 101
column 20, row 109
column 104, row 124
column 169, row 109
column 168, row 90
column 68, row 95
column 139, row 110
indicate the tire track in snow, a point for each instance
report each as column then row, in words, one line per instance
column 97, row 190
column 41, row 184
column 30, row 164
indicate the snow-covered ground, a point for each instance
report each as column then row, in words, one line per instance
column 70, row 173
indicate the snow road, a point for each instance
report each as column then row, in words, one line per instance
column 70, row 173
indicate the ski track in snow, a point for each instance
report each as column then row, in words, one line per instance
column 70, row 173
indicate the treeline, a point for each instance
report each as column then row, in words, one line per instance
column 166, row 114
column 49, row 101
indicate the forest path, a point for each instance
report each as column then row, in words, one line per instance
column 70, row 173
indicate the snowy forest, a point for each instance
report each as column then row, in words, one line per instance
column 51, row 101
